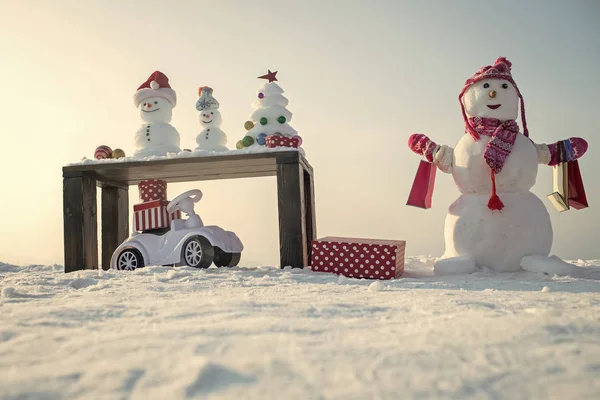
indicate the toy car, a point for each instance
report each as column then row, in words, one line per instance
column 186, row 242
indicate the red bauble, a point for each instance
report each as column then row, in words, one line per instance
column 102, row 152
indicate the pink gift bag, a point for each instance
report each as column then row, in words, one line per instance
column 422, row 188
column 577, row 198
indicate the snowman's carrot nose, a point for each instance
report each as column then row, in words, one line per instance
column 148, row 105
column 492, row 93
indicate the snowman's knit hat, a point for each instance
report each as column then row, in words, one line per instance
column 206, row 100
column 157, row 85
column 500, row 70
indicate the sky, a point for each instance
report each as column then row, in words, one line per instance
column 360, row 77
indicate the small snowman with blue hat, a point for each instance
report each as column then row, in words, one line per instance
column 211, row 138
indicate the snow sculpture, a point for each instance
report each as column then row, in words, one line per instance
column 155, row 100
column 504, row 230
column 211, row 137
column 270, row 116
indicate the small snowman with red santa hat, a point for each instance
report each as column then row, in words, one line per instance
column 497, row 222
column 155, row 99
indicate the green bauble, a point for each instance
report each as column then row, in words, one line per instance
column 263, row 121
column 239, row 145
column 281, row 119
column 248, row 141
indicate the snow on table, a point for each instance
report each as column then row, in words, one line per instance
column 266, row 333
column 188, row 154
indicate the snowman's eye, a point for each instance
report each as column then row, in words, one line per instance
column 505, row 86
column 156, row 102
column 486, row 85
column 211, row 112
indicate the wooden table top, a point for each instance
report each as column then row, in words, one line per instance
column 187, row 169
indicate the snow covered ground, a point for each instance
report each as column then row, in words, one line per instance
column 265, row 333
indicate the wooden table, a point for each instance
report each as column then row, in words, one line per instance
column 295, row 192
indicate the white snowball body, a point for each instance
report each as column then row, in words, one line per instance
column 211, row 137
column 156, row 137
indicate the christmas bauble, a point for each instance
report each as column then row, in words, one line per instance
column 249, row 125
column 281, row 119
column 261, row 138
column 247, row 141
column 239, row 145
column 102, row 152
column 263, row 121
column 118, row 153
column 261, row 95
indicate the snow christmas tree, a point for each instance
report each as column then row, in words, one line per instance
column 270, row 117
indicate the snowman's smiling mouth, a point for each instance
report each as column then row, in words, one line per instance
column 494, row 106
column 156, row 109
column 207, row 122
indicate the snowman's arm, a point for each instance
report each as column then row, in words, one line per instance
column 543, row 153
column 549, row 154
column 443, row 158
column 441, row 155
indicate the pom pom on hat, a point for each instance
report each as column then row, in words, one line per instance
column 157, row 85
column 204, row 88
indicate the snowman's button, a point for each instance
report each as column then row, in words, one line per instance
column 148, row 139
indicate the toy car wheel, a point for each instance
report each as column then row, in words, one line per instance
column 129, row 260
column 223, row 259
column 197, row 252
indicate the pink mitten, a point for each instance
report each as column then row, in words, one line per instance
column 422, row 145
column 575, row 148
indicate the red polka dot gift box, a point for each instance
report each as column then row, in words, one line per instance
column 151, row 215
column 358, row 258
column 152, row 189
column 278, row 140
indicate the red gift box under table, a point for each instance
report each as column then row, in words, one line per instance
column 358, row 258
column 153, row 215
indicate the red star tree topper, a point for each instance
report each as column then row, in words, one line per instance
column 270, row 76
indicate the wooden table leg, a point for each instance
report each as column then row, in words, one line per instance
column 80, row 223
column 293, row 248
column 309, row 199
column 115, row 221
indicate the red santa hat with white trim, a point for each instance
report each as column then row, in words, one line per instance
column 157, row 85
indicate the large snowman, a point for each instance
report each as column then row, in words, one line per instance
column 497, row 222
column 155, row 100
column 211, row 137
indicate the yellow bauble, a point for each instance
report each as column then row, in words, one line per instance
column 118, row 153
column 239, row 145
column 249, row 125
